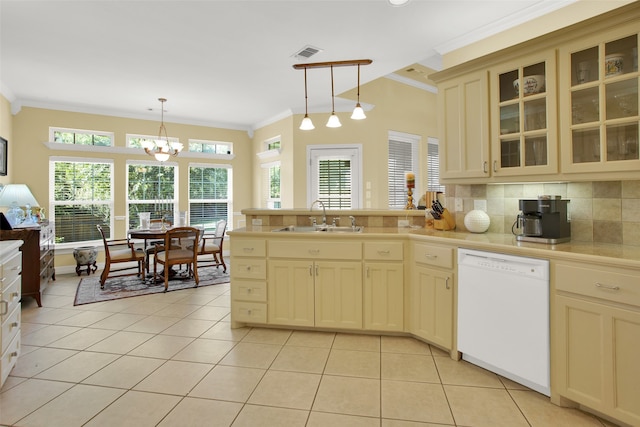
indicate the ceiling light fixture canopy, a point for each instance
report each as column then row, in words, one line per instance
column 334, row 121
column 162, row 148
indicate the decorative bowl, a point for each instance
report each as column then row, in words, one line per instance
column 530, row 84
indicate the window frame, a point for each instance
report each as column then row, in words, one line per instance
column 394, row 183
column 335, row 151
column 130, row 136
column 269, row 202
column 52, row 202
column 176, row 188
column 229, row 199
column 227, row 151
column 54, row 129
column 433, row 167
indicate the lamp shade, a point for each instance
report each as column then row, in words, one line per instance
column 358, row 113
column 18, row 194
column 334, row 121
column 307, row 124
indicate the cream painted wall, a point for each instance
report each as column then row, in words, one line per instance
column 398, row 107
column 6, row 131
column 31, row 157
column 571, row 14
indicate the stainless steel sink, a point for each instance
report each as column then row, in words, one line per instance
column 318, row 229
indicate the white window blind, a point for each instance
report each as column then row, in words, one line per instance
column 433, row 166
column 209, row 195
column 334, row 183
column 403, row 157
column 81, row 195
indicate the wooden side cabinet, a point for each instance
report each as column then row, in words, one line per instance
column 37, row 258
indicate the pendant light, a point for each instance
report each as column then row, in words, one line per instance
column 306, row 124
column 334, row 121
column 162, row 148
column 358, row 112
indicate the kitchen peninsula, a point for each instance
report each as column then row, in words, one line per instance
column 403, row 280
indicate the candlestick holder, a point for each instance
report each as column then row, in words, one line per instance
column 410, row 204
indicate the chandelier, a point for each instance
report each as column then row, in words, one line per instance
column 334, row 121
column 162, row 148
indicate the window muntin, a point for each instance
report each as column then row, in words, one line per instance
column 403, row 157
column 81, row 195
column 151, row 188
column 81, row 137
column 209, row 195
column 212, row 147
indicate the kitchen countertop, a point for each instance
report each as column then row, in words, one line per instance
column 610, row 254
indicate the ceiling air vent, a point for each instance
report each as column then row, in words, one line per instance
column 306, row 52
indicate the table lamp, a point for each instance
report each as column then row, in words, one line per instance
column 14, row 196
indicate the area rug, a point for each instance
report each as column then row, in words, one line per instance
column 131, row 286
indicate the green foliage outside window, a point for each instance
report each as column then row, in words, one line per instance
column 82, row 138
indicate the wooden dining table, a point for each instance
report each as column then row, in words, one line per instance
column 152, row 234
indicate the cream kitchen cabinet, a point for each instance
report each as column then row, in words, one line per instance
column 463, row 120
column 432, row 295
column 315, row 283
column 383, row 286
column 596, row 339
column 599, row 116
column 524, row 116
column 248, row 281
column 10, row 309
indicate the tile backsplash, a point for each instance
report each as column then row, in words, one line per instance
column 601, row 211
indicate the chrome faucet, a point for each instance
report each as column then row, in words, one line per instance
column 324, row 211
column 353, row 221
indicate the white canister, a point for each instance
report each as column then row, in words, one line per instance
column 145, row 220
column 613, row 64
column 477, row 221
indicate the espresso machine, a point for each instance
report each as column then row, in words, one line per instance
column 546, row 219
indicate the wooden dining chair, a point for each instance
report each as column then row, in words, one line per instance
column 151, row 246
column 211, row 243
column 179, row 247
column 120, row 251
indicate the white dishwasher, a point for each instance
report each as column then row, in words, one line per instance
column 503, row 315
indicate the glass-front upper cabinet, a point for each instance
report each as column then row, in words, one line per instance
column 599, row 114
column 523, row 128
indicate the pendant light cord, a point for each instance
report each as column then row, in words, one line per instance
column 333, row 109
column 306, row 110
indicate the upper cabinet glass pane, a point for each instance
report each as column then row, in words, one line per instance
column 584, row 66
column 534, row 79
column 509, row 86
column 621, row 56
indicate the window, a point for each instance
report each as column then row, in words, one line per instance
column 271, row 185
column 151, row 188
column 403, row 157
column 209, row 198
column 81, row 194
column 81, row 137
column 335, row 176
column 433, row 166
column 213, row 147
column 135, row 141
column 272, row 144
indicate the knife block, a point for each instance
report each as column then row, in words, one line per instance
column 447, row 222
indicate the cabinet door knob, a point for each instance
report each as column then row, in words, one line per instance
column 484, row 167
column 446, row 283
column 495, row 166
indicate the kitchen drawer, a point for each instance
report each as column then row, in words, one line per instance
column 381, row 251
column 248, row 247
column 249, row 290
column 334, row 249
column 10, row 270
column 249, row 312
column 10, row 327
column 437, row 256
column 608, row 283
column 9, row 358
column 247, row 268
column 10, row 294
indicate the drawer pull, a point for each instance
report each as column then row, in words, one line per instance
column 603, row 286
column 249, row 290
column 431, row 256
column 247, row 249
column 387, row 252
column 13, row 354
column 314, row 251
column 249, row 312
column 484, row 167
column 446, row 283
column 4, row 307
column 248, row 268
column 14, row 325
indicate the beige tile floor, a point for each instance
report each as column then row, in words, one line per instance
column 172, row 360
